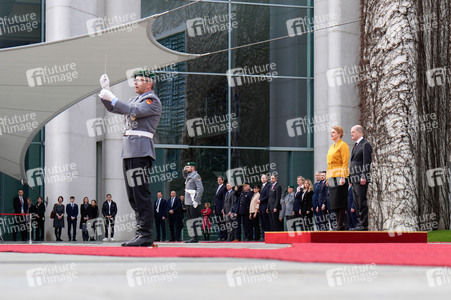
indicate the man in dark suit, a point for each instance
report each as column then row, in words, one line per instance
column 72, row 214
column 322, row 208
column 351, row 216
column 174, row 210
column 263, row 202
column 109, row 211
column 244, row 196
column 228, row 211
column 160, row 213
column 359, row 174
column 19, row 205
column 219, row 205
column 275, row 193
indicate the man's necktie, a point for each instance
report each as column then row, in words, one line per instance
column 353, row 148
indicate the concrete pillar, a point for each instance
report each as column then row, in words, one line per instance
column 337, row 47
column 113, row 179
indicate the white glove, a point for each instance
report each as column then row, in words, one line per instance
column 106, row 95
column 195, row 204
column 105, row 82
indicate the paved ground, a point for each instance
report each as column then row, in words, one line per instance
column 50, row 276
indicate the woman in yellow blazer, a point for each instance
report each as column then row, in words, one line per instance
column 337, row 176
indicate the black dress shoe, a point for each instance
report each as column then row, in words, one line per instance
column 125, row 243
column 140, row 241
column 359, row 228
column 193, row 240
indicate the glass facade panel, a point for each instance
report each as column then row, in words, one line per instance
column 21, row 24
column 242, row 97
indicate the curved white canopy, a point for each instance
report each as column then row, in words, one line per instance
column 36, row 85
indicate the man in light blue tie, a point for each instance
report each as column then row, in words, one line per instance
column 160, row 214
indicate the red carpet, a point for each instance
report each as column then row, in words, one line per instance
column 290, row 237
column 385, row 254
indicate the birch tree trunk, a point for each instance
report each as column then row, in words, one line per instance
column 405, row 109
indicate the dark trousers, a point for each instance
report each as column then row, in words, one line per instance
column 230, row 223
column 172, row 225
column 321, row 220
column 360, row 203
column 71, row 225
column 84, row 231
column 179, row 227
column 221, row 224
column 19, row 225
column 243, row 219
column 301, row 222
column 255, row 228
column 264, row 221
column 109, row 222
column 160, row 224
column 137, row 179
column 308, row 221
column 339, row 219
column 39, row 229
column 351, row 218
column 275, row 224
column 193, row 213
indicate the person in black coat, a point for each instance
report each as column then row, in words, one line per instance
column 244, row 196
column 275, row 193
column 219, row 205
column 72, row 214
column 58, row 220
column 85, row 210
column 359, row 175
column 109, row 211
column 31, row 210
column 40, row 219
column 19, row 221
column 306, row 205
column 263, row 206
column 298, row 197
column 174, row 211
column 160, row 213
column 93, row 215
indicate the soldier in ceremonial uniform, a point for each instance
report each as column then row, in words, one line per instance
column 193, row 195
column 142, row 115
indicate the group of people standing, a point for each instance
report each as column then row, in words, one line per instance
column 26, row 210
column 71, row 213
column 86, row 212
column 336, row 201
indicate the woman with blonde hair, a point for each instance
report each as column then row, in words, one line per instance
column 306, row 210
column 337, row 175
